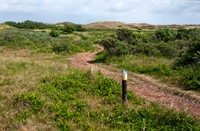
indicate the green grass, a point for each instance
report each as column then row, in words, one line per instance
column 43, row 42
column 138, row 63
column 5, row 82
column 159, row 67
column 42, row 93
column 68, row 100
column 14, row 68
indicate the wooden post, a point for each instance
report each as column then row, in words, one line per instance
column 124, row 86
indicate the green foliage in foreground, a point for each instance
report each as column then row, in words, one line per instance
column 191, row 79
column 42, row 42
column 87, row 101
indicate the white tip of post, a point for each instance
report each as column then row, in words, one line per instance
column 124, row 75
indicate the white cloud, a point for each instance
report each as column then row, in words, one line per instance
column 18, row 6
column 85, row 11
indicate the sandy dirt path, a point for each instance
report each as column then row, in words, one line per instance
column 144, row 86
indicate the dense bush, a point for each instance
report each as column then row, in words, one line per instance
column 67, row 47
column 191, row 79
column 79, row 28
column 115, row 47
column 182, row 46
column 191, row 56
column 129, row 42
column 162, row 42
column 69, row 28
column 147, row 49
column 165, row 34
column 125, row 35
column 142, row 37
column 169, row 50
column 187, row 34
column 24, row 39
column 31, row 25
column 54, row 33
column 190, row 60
column 43, row 42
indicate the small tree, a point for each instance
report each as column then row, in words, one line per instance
column 79, row 28
column 68, row 28
column 54, row 33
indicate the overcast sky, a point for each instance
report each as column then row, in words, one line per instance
column 88, row 11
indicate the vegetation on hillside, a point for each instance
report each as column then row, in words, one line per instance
column 39, row 91
column 31, row 25
column 88, row 101
column 66, row 28
column 65, row 99
column 180, row 46
column 42, row 42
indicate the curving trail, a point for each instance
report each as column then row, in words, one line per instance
column 144, row 86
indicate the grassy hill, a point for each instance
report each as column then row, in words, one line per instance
column 117, row 25
column 39, row 90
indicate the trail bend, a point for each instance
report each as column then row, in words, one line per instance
column 144, row 86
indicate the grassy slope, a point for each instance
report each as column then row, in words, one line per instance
column 159, row 67
column 39, row 91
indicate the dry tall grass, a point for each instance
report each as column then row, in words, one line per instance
column 20, row 71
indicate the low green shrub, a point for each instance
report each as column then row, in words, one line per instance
column 31, row 25
column 181, row 46
column 129, row 42
column 70, row 28
column 165, row 34
column 191, row 79
column 147, row 49
column 115, row 47
column 125, row 35
column 155, row 70
column 28, row 104
column 54, row 33
column 30, row 101
column 150, row 118
column 42, row 42
column 83, row 101
column 187, row 34
column 101, row 57
column 190, row 56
